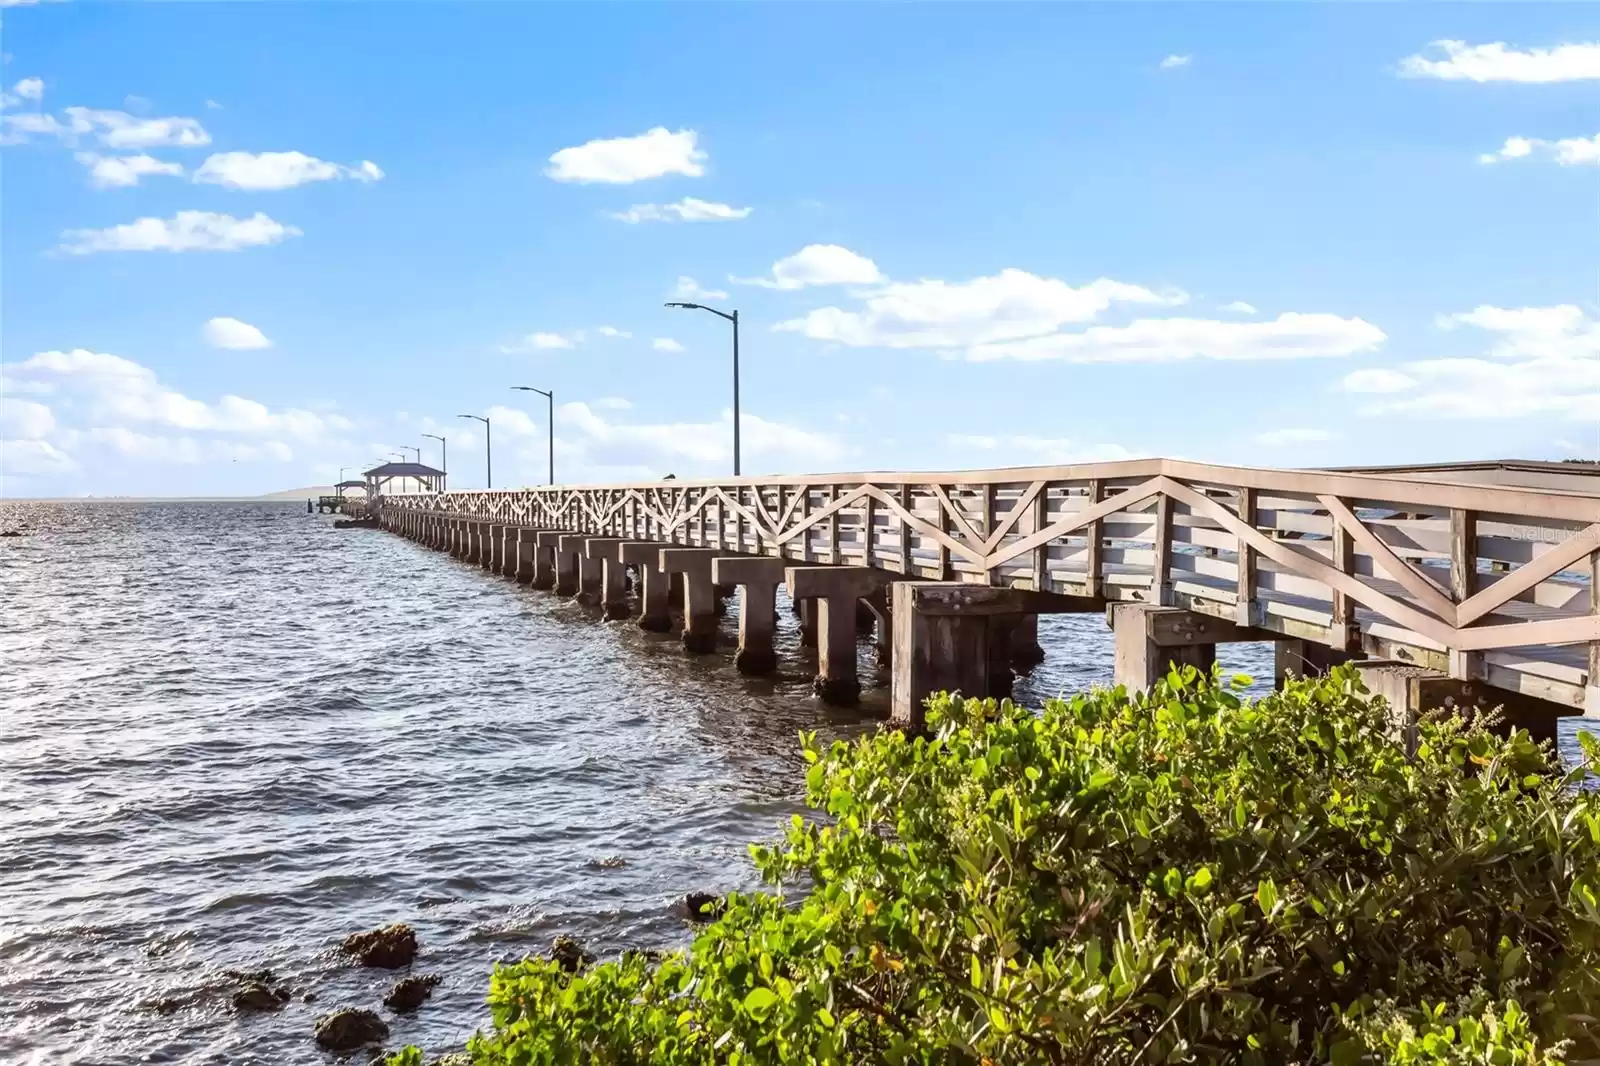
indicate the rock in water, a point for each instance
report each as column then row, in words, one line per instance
column 408, row 993
column 349, row 1028
column 569, row 954
column 388, row 948
column 256, row 996
column 702, row 906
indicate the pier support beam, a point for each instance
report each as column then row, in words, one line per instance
column 474, row 542
column 605, row 553
column 527, row 548
column 757, row 579
column 569, row 552
column 835, row 590
column 1303, row 658
column 699, row 595
column 1149, row 639
column 1412, row 691
column 544, row 558
column 1025, row 650
column 489, row 552
column 654, row 614
column 954, row 637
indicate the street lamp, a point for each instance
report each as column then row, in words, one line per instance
column 339, row 489
column 488, row 454
column 551, row 397
column 444, row 460
column 734, row 318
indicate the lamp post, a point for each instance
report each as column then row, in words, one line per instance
column 444, row 459
column 551, row 397
column 734, row 318
column 488, row 454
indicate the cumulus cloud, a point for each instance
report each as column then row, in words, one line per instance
column 1173, row 62
column 623, row 160
column 118, row 129
column 689, row 290
column 543, row 342
column 1540, row 361
column 124, row 171
column 1277, row 438
column 687, row 209
column 818, row 264
column 1010, row 305
column 1377, row 379
column 271, row 171
column 29, row 89
column 187, row 231
column 1291, row 335
column 1459, row 61
column 1238, row 307
column 666, row 344
column 105, row 408
column 233, row 334
column 1567, row 152
column 613, row 331
column 1011, row 449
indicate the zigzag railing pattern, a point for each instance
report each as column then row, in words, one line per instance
column 1488, row 582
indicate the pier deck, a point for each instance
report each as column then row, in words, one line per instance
column 1479, row 572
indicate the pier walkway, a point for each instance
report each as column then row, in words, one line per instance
column 1461, row 581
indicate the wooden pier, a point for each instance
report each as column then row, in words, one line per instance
column 1464, row 581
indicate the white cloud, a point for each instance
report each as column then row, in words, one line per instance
column 1501, row 62
column 24, row 419
column 1292, row 335
column 1377, row 379
column 1567, row 152
column 666, row 344
column 33, row 458
column 687, row 209
column 818, row 264
column 187, row 231
column 613, row 403
column 1012, row 304
column 1022, row 450
column 17, row 128
column 1277, row 438
column 109, row 392
column 29, row 88
column 233, row 334
column 124, row 171
column 613, row 331
column 1173, row 62
column 542, row 342
column 213, row 105
column 1238, row 307
column 118, row 129
column 621, row 160
column 270, row 171
column 1541, row 361
column 689, row 290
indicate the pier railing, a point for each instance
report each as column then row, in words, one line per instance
column 1486, row 582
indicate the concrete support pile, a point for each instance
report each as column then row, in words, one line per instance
column 756, row 580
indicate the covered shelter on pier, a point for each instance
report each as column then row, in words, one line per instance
column 405, row 477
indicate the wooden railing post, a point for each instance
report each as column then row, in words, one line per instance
column 1245, row 590
column 1343, row 631
column 1463, row 580
column 1095, row 535
column 1591, row 695
column 1041, row 554
column 905, row 530
column 1160, row 571
column 945, row 573
column 833, row 527
column 988, row 525
column 868, row 515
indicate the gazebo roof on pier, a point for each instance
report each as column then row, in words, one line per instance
column 351, row 485
column 403, row 470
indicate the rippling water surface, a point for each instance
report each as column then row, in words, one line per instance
column 231, row 735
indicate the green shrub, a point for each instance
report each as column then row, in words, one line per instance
column 1179, row 877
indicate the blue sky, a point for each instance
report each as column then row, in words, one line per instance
column 247, row 244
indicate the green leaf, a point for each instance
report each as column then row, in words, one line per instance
column 760, row 1000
